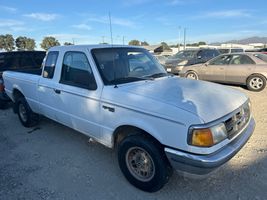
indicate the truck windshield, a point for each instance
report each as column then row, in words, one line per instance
column 119, row 65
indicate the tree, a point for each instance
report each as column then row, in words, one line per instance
column 67, row 43
column 165, row 46
column 144, row 43
column 30, row 44
column 7, row 42
column 134, row 42
column 24, row 43
column 49, row 42
column 202, row 43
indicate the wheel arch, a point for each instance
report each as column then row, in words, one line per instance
column 123, row 131
column 257, row 73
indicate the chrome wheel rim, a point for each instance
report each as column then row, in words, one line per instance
column 191, row 76
column 140, row 164
column 22, row 113
column 256, row 83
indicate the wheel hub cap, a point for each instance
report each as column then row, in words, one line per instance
column 256, row 83
column 191, row 76
column 140, row 164
column 22, row 113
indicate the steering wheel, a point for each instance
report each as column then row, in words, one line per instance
column 139, row 68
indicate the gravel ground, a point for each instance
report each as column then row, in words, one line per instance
column 52, row 161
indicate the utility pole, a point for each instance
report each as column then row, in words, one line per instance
column 123, row 38
column 184, row 38
column 179, row 39
column 103, row 39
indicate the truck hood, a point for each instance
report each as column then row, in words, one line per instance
column 209, row 101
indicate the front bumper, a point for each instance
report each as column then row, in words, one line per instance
column 173, row 69
column 204, row 164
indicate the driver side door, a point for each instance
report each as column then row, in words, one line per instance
column 215, row 69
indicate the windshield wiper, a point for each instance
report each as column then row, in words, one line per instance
column 156, row 75
column 127, row 79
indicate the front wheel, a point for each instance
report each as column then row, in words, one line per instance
column 26, row 116
column 256, row 82
column 143, row 163
column 191, row 75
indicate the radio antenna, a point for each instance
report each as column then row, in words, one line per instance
column 110, row 27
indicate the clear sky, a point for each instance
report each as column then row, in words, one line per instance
column 87, row 22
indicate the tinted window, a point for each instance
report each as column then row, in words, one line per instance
column 207, row 54
column 221, row 60
column 223, row 51
column 2, row 62
column 38, row 58
column 76, row 71
column 50, row 64
column 241, row 60
column 26, row 60
column 261, row 56
column 237, row 50
column 184, row 55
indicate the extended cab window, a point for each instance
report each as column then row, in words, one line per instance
column 50, row 64
column 76, row 71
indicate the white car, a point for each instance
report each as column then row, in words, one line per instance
column 123, row 98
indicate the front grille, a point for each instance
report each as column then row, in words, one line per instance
column 238, row 121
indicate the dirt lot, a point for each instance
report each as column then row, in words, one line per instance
column 55, row 162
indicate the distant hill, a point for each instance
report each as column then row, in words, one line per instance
column 245, row 41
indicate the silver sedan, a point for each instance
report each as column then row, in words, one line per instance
column 248, row 69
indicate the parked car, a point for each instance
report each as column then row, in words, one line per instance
column 161, row 59
column 174, row 64
column 263, row 50
column 24, row 61
column 248, row 69
column 123, row 98
column 230, row 50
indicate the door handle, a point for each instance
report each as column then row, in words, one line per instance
column 110, row 109
column 57, row 91
column 222, row 68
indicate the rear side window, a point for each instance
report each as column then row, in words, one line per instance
column 50, row 64
column 76, row 71
column 241, row 60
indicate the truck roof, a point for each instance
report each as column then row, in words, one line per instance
column 92, row 46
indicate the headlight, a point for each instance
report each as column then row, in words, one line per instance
column 208, row 137
column 183, row 62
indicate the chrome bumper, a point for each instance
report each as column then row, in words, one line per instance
column 204, row 164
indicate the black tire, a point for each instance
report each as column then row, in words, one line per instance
column 26, row 116
column 256, row 82
column 154, row 152
column 191, row 75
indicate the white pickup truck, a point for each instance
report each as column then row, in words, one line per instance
column 123, row 98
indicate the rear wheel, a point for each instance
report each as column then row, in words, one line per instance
column 143, row 163
column 256, row 82
column 191, row 75
column 26, row 116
